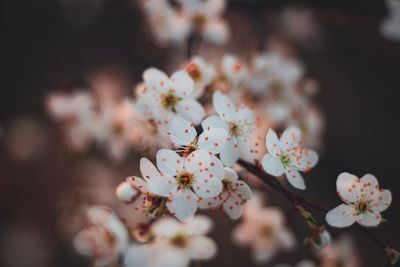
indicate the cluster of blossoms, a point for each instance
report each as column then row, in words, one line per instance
column 174, row 23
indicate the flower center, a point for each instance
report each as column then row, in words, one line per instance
column 194, row 71
column 169, row 100
column 266, row 230
column 185, row 179
column 276, row 88
column 285, row 159
column 179, row 240
column 193, row 146
column 362, row 206
column 234, row 129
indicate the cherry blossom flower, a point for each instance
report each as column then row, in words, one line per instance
column 201, row 73
column 233, row 69
column 234, row 195
column 341, row 251
column 286, row 155
column 164, row 98
column 364, row 201
column 183, row 135
column 135, row 190
column 238, row 122
column 183, row 180
column 205, row 19
column 263, row 230
column 104, row 238
column 175, row 244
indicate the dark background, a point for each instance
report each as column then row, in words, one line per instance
column 357, row 69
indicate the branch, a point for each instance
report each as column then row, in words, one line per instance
column 294, row 198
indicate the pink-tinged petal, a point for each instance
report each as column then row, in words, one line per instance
column 118, row 229
column 127, row 192
column 272, row 143
column 370, row 185
column 184, row 205
column 214, row 122
column 295, row 179
column 231, row 152
column 156, row 81
column 224, row 106
column 347, row 187
column 169, row 162
column 213, row 140
column 207, row 185
column 148, row 169
column 197, row 161
column 165, row 186
column 230, row 174
column 216, row 167
column 191, row 110
column 341, row 216
column 369, row 219
column 181, row 131
column 182, row 83
column 290, row 138
column 382, row 201
column 202, row 247
column 99, row 215
column 216, row 31
column 233, row 206
column 272, row 165
column 148, row 106
column 166, row 227
column 200, row 225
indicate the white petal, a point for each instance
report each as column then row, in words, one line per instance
column 272, row 165
column 182, row 83
column 181, row 131
column 244, row 190
column 137, row 182
column 156, row 80
column 207, row 185
column 184, row 205
column 208, row 203
column 289, row 138
column 216, row 167
column 224, row 106
column 244, row 115
column 200, row 225
column 341, row 216
column 191, row 110
column 295, row 179
column 307, row 160
column 230, row 154
column 231, row 174
column 213, row 140
column 166, row 227
column 382, row 201
column 370, row 185
column 148, row 169
column 197, row 160
column 272, row 143
column 126, row 192
column 99, row 214
column 169, row 162
column 233, row 206
column 216, row 31
column 165, row 186
column 213, row 122
column 148, row 106
column 347, row 186
column 369, row 219
column 202, row 247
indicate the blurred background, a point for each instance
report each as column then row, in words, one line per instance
column 63, row 44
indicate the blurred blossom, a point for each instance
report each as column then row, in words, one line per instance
column 104, row 238
column 298, row 24
column 175, row 244
column 263, row 229
column 26, row 139
column 302, row 263
column 390, row 26
column 340, row 252
column 23, row 245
